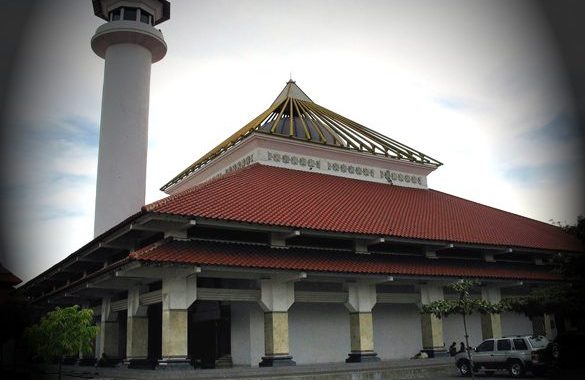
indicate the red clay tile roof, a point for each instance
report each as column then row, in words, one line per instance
column 264, row 257
column 292, row 198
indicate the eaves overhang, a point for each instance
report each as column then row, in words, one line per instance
column 54, row 280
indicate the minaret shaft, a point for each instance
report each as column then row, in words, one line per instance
column 121, row 175
column 129, row 43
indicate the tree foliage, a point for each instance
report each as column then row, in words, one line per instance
column 62, row 332
column 577, row 230
column 464, row 304
column 564, row 298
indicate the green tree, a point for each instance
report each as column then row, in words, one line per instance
column 62, row 332
column 463, row 305
column 563, row 298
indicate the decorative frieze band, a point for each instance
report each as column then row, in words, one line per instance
column 248, row 160
column 346, row 169
column 271, row 151
column 294, row 160
column 299, row 161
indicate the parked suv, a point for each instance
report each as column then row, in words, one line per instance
column 517, row 354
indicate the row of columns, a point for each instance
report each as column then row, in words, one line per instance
column 276, row 298
column 178, row 293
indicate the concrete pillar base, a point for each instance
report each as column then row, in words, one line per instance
column 277, row 361
column 181, row 363
column 362, row 357
column 436, row 352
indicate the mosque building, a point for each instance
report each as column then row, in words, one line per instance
column 304, row 237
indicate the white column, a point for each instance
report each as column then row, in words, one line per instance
column 108, row 338
column 431, row 326
column 277, row 296
column 491, row 324
column 136, row 329
column 550, row 326
column 178, row 293
column 361, row 299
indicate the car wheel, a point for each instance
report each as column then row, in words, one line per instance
column 464, row 367
column 516, row 369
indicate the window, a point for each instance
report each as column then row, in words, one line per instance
column 115, row 14
column 538, row 341
column 520, row 344
column 504, row 345
column 130, row 13
column 487, row 345
column 145, row 16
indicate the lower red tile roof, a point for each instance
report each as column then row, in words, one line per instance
column 296, row 199
column 264, row 257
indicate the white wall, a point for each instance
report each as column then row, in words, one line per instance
column 318, row 333
column 453, row 330
column 516, row 324
column 247, row 334
column 397, row 330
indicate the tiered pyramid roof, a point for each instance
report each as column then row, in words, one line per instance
column 294, row 115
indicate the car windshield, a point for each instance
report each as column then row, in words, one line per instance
column 538, row 341
column 487, row 345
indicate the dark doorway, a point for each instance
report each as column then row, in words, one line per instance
column 155, row 332
column 122, row 330
column 209, row 337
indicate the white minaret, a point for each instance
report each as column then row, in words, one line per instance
column 129, row 43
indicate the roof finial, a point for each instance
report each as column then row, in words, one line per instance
column 290, row 80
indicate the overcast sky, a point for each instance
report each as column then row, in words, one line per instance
column 477, row 85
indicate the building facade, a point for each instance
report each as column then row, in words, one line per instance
column 304, row 237
column 288, row 244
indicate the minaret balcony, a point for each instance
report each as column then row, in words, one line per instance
column 132, row 32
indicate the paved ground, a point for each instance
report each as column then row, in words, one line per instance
column 435, row 369
column 561, row 375
column 395, row 369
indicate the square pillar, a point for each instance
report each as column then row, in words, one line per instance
column 360, row 301
column 276, row 333
column 108, row 354
column 178, row 293
column 277, row 296
column 136, row 332
column 550, row 326
column 96, row 343
column 431, row 326
column 491, row 324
